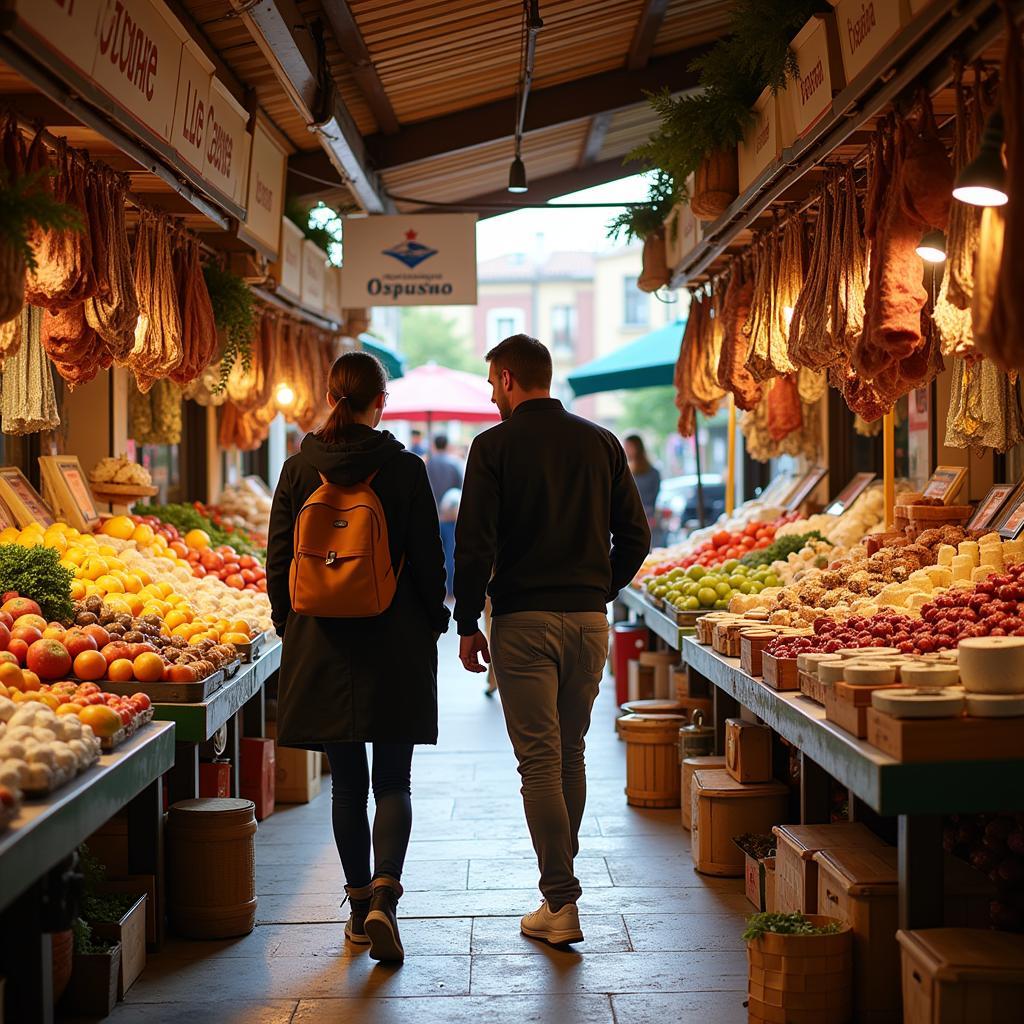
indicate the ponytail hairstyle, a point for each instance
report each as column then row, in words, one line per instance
column 355, row 382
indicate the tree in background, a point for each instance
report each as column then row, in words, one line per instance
column 427, row 335
column 651, row 412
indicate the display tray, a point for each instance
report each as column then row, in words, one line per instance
column 231, row 668
column 811, row 686
column 945, row 739
column 249, row 652
column 109, row 743
column 123, row 490
column 170, row 693
column 7, row 815
column 779, row 673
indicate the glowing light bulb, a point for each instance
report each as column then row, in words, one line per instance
column 787, row 315
column 932, row 247
column 284, row 395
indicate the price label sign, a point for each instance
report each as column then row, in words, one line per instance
column 992, row 504
column 1013, row 520
column 776, row 490
column 66, row 482
column 23, row 500
column 849, row 494
column 807, row 483
column 945, row 483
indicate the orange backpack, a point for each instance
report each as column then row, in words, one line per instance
column 342, row 564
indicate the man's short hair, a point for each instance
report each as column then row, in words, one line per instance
column 526, row 359
column 416, row 432
column 440, row 442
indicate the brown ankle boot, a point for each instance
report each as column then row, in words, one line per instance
column 382, row 921
column 359, row 904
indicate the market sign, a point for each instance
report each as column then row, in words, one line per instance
column 945, row 483
column 226, row 146
column 990, row 507
column 415, row 260
column 264, row 206
column 314, row 273
column 849, row 494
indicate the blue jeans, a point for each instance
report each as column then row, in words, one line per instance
column 448, row 543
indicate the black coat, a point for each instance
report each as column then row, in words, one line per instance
column 369, row 679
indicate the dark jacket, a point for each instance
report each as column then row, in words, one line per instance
column 549, row 503
column 361, row 679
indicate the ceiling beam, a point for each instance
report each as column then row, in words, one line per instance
column 645, row 33
column 283, row 37
column 351, row 41
column 554, row 105
column 542, row 190
column 594, row 142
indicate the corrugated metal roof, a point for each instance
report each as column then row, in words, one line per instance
column 690, row 23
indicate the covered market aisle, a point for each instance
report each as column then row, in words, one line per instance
column 663, row 942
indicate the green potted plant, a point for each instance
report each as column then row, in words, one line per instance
column 800, row 965
column 92, row 990
column 646, row 222
column 25, row 204
column 235, row 314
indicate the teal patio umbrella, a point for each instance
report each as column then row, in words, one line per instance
column 648, row 362
column 393, row 362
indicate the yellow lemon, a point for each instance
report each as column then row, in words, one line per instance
column 174, row 619
column 76, row 554
column 91, row 590
column 143, row 576
column 29, row 539
column 106, row 550
column 143, row 534
column 111, row 584
column 114, row 562
column 66, row 563
column 165, row 588
column 132, row 583
column 197, row 539
column 94, row 567
column 134, row 602
column 9, row 535
column 77, row 590
column 121, row 527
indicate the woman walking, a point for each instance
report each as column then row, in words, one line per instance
column 349, row 681
column 648, row 482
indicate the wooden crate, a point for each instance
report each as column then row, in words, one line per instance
column 848, row 706
column 859, row 885
column 748, row 751
column 962, row 976
column 752, row 647
column 130, row 931
column 722, row 808
column 640, row 681
column 945, row 739
column 687, row 767
column 661, row 663
column 780, row 673
column 811, row 686
column 796, row 871
column 759, row 881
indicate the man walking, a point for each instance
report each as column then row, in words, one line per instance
column 550, row 504
column 445, row 476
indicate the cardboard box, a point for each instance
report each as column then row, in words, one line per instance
column 258, row 774
column 762, row 143
column 759, row 876
column 820, row 76
column 865, row 27
column 297, row 776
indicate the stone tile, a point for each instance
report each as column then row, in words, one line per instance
column 684, row 1007
column 532, row 1009
column 605, row 933
column 317, row 850
column 258, row 943
column 280, row 879
column 640, row 823
column 299, row 977
column 199, row 1012
column 513, row 827
column 561, row 972
column 696, row 933
column 640, row 870
column 521, row 873
column 420, row 936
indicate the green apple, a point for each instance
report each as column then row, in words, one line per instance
column 707, row 597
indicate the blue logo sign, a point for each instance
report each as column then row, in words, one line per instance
column 410, row 252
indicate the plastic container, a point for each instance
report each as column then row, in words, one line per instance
column 628, row 640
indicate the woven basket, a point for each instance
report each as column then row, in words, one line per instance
column 801, row 979
column 211, row 867
column 655, row 273
column 716, row 185
column 12, row 281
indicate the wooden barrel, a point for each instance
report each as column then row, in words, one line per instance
column 652, row 759
column 211, row 868
column 658, row 706
column 801, row 979
column 686, row 770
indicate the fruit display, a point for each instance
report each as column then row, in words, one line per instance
column 242, row 509
column 40, row 749
column 698, row 588
column 190, row 519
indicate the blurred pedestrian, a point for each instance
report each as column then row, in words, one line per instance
column 648, row 482
column 445, row 474
column 416, row 445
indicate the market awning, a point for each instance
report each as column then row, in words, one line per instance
column 647, row 362
column 393, row 362
column 434, row 392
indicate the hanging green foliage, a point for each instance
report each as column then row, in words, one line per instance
column 642, row 219
column 234, row 312
column 25, row 204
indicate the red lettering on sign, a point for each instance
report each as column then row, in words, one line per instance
column 130, row 50
column 264, row 194
column 218, row 153
column 192, row 122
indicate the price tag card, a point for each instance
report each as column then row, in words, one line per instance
column 849, row 494
column 806, row 484
column 22, row 499
column 776, row 490
column 991, row 505
column 72, row 496
column 945, row 483
column 1013, row 516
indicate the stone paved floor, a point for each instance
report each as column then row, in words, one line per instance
column 662, row 941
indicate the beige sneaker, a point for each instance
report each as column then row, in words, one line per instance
column 556, row 928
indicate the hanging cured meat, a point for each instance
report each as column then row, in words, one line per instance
column 198, row 329
column 12, row 257
column 733, row 374
column 695, row 379
column 77, row 351
column 777, row 283
column 784, row 413
column 155, row 417
column 157, row 349
column 984, row 409
column 64, row 274
column 113, row 312
column 252, row 388
column 1003, row 341
column 27, row 400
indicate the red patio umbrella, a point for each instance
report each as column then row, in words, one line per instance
column 434, row 392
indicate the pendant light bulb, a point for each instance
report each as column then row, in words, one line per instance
column 284, row 395
column 983, row 181
column 517, row 176
column 932, row 247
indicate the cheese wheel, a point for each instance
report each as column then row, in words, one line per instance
column 995, row 705
column 867, row 652
column 919, row 703
column 929, row 674
column 830, row 672
column 868, row 673
column 809, row 662
column 992, row 664
column 968, row 548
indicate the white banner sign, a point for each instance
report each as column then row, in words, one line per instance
column 415, row 260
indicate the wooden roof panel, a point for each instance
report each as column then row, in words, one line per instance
column 690, row 23
column 436, row 57
column 628, row 129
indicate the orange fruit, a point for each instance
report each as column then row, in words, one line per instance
column 32, row 681
column 70, row 708
column 90, row 665
column 120, row 671
column 148, row 667
column 11, row 676
column 102, row 720
column 235, row 638
column 197, row 539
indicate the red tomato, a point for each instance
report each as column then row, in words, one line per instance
column 198, row 571
column 235, row 581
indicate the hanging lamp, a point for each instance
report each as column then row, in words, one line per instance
column 983, row 181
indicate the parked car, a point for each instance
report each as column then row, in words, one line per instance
column 676, row 508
